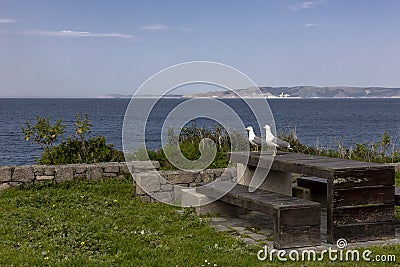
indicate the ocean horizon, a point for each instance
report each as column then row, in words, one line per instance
column 318, row 121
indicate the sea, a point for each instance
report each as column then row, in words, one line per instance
column 318, row 122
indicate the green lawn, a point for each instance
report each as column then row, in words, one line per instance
column 81, row 223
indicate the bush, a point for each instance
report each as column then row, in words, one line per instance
column 71, row 151
column 77, row 149
column 189, row 139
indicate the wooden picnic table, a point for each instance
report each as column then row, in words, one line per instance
column 360, row 195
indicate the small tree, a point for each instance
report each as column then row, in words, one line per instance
column 77, row 148
column 43, row 133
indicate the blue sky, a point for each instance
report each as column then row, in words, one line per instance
column 91, row 48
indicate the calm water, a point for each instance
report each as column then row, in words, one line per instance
column 317, row 120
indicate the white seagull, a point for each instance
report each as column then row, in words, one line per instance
column 253, row 138
column 274, row 141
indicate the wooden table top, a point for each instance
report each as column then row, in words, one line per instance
column 324, row 167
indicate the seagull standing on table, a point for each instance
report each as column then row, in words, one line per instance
column 253, row 138
column 274, row 141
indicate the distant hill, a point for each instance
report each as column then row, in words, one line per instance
column 138, row 96
column 307, row 92
column 115, row 96
column 296, row 91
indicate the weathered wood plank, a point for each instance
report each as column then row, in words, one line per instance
column 292, row 217
column 362, row 214
column 297, row 237
column 363, row 195
column 302, row 169
column 363, row 232
column 240, row 196
column 241, row 192
column 363, row 177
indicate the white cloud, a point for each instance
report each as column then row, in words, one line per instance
column 307, row 5
column 4, row 20
column 69, row 33
column 310, row 25
column 154, row 27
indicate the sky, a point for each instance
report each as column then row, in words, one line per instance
column 90, row 48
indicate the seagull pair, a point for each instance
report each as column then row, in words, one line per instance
column 270, row 139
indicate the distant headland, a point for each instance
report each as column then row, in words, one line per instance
column 290, row 92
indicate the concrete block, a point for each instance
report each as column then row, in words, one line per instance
column 5, row 173
column 23, row 174
column 275, row 181
column 190, row 198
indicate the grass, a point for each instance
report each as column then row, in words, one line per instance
column 99, row 223
column 83, row 223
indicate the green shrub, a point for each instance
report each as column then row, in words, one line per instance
column 71, row 151
column 77, row 149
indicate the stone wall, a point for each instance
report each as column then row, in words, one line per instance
column 12, row 176
column 164, row 189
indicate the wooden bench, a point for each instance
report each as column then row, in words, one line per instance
column 360, row 195
column 296, row 221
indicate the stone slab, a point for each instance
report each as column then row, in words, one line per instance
column 64, row 173
column 5, row 173
column 23, row 174
column 94, row 173
column 149, row 181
